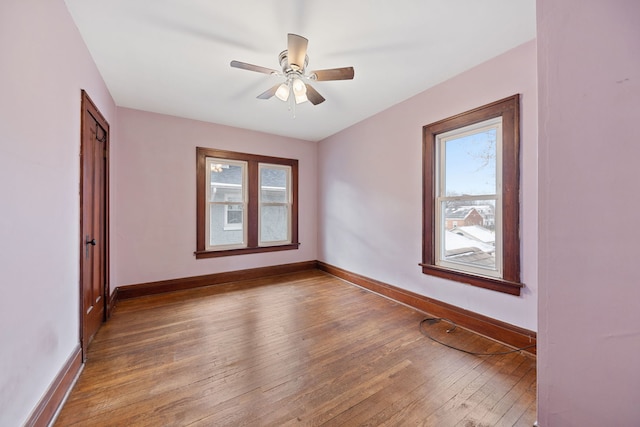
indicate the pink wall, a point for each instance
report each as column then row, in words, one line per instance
column 589, row 304
column 43, row 66
column 154, row 184
column 369, row 209
column 370, row 185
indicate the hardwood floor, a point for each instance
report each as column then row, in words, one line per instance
column 300, row 349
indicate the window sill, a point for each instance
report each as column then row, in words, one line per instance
column 500, row 285
column 243, row 251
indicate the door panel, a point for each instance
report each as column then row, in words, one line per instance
column 94, row 245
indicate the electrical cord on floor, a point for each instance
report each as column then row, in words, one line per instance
column 432, row 320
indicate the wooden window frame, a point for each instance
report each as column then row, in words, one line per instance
column 509, row 110
column 253, row 160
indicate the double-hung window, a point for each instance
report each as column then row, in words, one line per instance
column 226, row 199
column 275, row 204
column 471, row 197
column 246, row 203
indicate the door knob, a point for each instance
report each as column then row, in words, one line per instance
column 91, row 242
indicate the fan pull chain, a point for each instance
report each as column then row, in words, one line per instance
column 292, row 105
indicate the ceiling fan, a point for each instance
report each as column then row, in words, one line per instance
column 294, row 62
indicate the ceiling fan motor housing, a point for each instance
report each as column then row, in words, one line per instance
column 287, row 68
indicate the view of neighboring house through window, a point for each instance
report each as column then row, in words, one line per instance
column 246, row 203
column 471, row 197
column 275, row 204
column 234, row 217
column 227, row 199
column 468, row 181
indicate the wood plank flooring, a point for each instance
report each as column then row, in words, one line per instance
column 301, row 349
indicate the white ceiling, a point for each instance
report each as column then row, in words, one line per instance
column 172, row 56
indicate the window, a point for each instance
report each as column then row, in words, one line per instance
column 471, row 197
column 226, row 195
column 275, row 204
column 246, row 203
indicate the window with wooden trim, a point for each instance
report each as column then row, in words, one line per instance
column 471, row 197
column 246, row 203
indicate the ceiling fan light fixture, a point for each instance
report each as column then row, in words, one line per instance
column 283, row 92
column 299, row 90
column 299, row 87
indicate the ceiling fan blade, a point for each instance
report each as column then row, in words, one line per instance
column 344, row 73
column 297, row 50
column 313, row 96
column 269, row 92
column 251, row 67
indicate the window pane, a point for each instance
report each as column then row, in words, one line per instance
column 226, row 202
column 219, row 234
column 470, row 164
column 469, row 233
column 273, row 185
column 226, row 181
column 274, row 223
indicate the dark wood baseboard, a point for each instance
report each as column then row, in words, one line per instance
column 48, row 405
column 506, row 333
column 511, row 335
column 111, row 305
column 151, row 288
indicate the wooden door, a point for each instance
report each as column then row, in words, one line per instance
column 94, row 221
